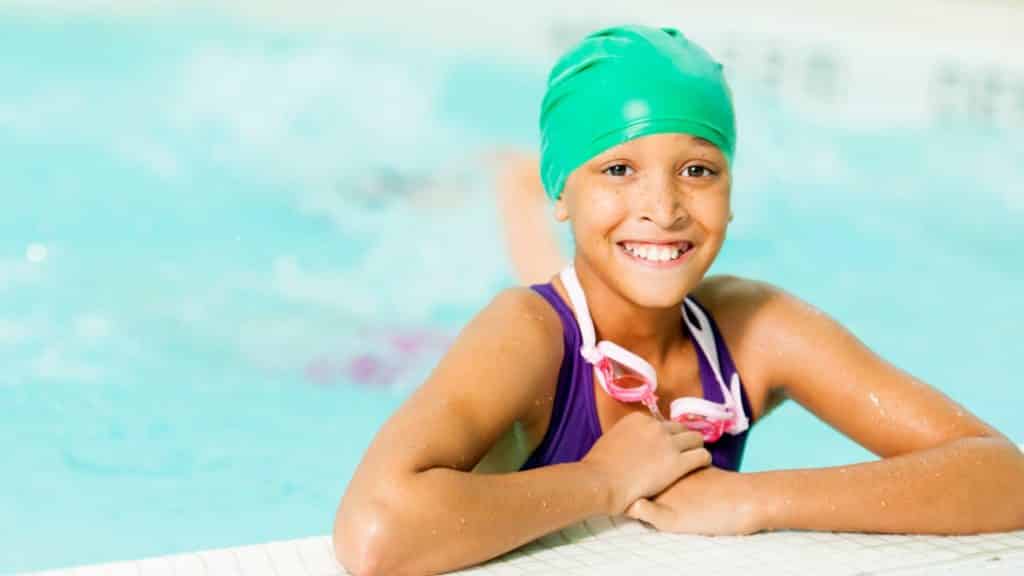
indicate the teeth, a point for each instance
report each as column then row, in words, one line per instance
column 653, row 253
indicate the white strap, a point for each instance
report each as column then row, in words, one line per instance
column 579, row 306
column 705, row 337
column 592, row 352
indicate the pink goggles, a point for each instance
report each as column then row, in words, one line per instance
column 629, row 378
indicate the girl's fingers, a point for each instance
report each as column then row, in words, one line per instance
column 673, row 427
column 652, row 513
column 688, row 440
column 694, row 459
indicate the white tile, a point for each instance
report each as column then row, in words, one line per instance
column 318, row 557
column 285, row 558
column 505, row 570
column 219, row 563
column 94, row 570
column 121, row 569
column 622, row 546
column 253, row 561
column 156, row 567
column 187, row 565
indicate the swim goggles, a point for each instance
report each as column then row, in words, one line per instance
column 629, row 378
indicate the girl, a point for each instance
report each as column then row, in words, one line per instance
column 629, row 382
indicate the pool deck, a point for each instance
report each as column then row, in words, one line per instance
column 617, row 545
column 604, row 545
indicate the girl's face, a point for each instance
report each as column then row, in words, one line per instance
column 649, row 216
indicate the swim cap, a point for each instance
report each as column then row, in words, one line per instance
column 622, row 83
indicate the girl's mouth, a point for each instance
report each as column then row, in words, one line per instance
column 658, row 254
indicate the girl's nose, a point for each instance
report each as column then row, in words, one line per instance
column 662, row 203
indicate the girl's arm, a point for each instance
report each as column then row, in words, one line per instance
column 963, row 486
column 942, row 469
column 412, row 495
column 525, row 213
column 413, row 505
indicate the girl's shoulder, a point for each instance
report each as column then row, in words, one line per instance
column 524, row 310
column 750, row 315
column 528, row 326
column 739, row 304
column 525, row 355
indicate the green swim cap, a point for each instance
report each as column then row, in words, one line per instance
column 622, row 83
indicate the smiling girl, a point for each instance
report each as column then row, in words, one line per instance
column 628, row 383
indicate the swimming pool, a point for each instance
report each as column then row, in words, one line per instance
column 229, row 248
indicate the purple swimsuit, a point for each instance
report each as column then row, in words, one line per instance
column 574, row 426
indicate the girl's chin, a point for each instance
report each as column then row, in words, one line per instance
column 657, row 301
column 653, row 294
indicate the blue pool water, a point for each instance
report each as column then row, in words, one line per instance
column 228, row 252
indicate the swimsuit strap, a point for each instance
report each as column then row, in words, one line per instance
column 704, row 334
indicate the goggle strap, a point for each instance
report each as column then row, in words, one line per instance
column 579, row 305
column 598, row 354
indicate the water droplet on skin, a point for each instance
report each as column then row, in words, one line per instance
column 462, row 520
column 874, row 399
column 433, row 532
column 884, row 504
column 544, row 503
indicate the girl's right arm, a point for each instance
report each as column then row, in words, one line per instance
column 414, row 506
column 525, row 214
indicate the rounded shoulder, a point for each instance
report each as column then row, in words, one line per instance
column 530, row 353
column 754, row 303
column 731, row 295
column 527, row 313
column 528, row 328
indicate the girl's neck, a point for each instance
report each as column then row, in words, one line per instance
column 648, row 332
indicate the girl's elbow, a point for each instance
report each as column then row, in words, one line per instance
column 362, row 540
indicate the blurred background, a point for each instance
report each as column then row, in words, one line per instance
column 235, row 235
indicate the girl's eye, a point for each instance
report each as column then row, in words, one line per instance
column 618, row 170
column 698, row 171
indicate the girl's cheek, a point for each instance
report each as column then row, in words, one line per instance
column 713, row 211
column 606, row 205
column 599, row 207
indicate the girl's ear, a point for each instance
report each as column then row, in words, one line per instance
column 561, row 210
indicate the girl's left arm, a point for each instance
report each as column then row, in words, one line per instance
column 942, row 470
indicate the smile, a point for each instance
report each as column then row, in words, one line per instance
column 659, row 254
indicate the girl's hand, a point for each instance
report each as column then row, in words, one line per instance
column 712, row 502
column 524, row 210
column 640, row 456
